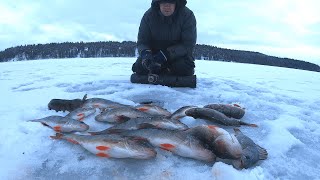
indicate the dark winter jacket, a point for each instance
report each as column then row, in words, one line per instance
column 176, row 34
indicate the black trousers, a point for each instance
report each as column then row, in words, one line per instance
column 183, row 66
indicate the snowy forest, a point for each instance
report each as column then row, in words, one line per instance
column 128, row 49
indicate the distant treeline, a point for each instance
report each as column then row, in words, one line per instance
column 128, row 49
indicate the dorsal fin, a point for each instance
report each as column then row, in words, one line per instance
column 84, row 98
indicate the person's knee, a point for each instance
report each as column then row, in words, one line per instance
column 183, row 67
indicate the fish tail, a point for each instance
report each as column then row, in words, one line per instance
column 57, row 136
column 236, row 130
column 263, row 154
column 34, row 120
column 37, row 120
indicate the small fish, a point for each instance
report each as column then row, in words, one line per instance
column 66, row 105
column 112, row 145
column 146, row 122
column 223, row 144
column 62, row 124
column 120, row 115
column 181, row 112
column 230, row 110
column 251, row 152
column 177, row 142
column 81, row 113
column 216, row 117
column 102, row 104
column 153, row 109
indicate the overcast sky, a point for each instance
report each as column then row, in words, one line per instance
column 283, row 28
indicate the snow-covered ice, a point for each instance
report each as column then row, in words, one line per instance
column 284, row 103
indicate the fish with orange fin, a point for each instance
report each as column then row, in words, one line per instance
column 101, row 103
column 216, row 117
column 178, row 142
column 120, row 115
column 251, row 154
column 81, row 113
column 223, row 144
column 230, row 110
column 62, row 124
column 153, row 109
column 147, row 122
column 112, row 145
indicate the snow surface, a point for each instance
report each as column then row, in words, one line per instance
column 283, row 102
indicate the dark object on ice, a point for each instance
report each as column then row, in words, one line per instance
column 166, row 80
column 216, row 117
column 234, row 111
column 251, row 152
column 66, row 105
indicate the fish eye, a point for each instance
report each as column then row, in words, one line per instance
column 247, row 157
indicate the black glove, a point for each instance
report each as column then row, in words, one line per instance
column 160, row 58
column 154, row 68
column 157, row 62
column 146, row 58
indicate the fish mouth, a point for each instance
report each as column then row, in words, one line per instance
column 45, row 124
column 238, row 164
column 150, row 153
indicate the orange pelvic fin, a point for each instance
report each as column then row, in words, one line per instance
column 57, row 128
column 168, row 147
column 57, row 136
column 102, row 148
column 72, row 141
column 143, row 109
column 101, row 154
column 212, row 127
column 80, row 116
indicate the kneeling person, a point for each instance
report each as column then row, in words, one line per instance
column 166, row 40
